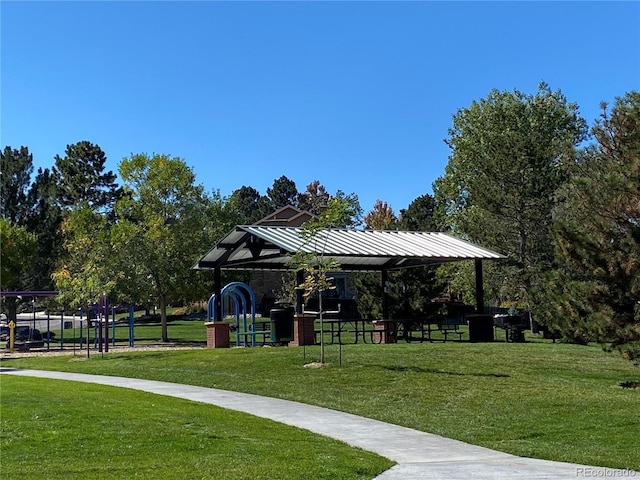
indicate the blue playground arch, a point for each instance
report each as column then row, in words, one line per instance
column 237, row 292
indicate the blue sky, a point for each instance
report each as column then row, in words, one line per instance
column 358, row 95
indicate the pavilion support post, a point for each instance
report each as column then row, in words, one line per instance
column 299, row 292
column 385, row 294
column 217, row 286
column 479, row 288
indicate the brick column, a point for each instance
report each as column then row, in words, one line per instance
column 217, row 334
column 385, row 332
column 303, row 330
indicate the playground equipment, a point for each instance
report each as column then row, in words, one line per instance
column 101, row 313
column 246, row 333
column 97, row 319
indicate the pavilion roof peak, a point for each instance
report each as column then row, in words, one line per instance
column 269, row 247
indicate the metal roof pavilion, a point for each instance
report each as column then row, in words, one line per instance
column 269, row 248
column 255, row 247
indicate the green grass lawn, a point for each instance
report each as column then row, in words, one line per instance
column 187, row 332
column 537, row 399
column 54, row 429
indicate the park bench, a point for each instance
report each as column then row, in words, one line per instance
column 262, row 330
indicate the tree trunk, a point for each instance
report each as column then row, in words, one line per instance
column 12, row 313
column 321, row 327
column 163, row 318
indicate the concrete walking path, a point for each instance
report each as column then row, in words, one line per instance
column 418, row 455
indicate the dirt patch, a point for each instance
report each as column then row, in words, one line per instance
column 316, row 365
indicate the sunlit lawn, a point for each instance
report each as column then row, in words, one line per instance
column 53, row 429
column 537, row 399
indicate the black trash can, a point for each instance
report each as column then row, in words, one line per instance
column 514, row 334
column 480, row 328
column 514, row 329
column 281, row 324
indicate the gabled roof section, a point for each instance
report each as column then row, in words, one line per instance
column 255, row 247
column 287, row 216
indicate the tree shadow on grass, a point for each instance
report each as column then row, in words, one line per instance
column 415, row 369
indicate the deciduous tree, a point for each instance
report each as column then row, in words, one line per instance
column 316, row 266
column 163, row 225
column 381, row 217
column 88, row 270
column 17, row 246
column 510, row 153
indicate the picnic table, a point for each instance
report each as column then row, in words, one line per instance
column 513, row 325
column 390, row 330
column 356, row 330
column 338, row 327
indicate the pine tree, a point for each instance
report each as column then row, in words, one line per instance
column 81, row 178
column 45, row 220
column 598, row 234
column 16, row 167
column 282, row 193
column 249, row 204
